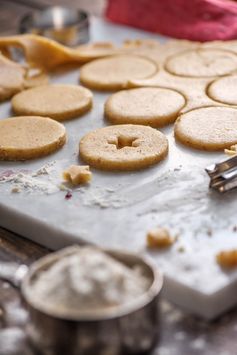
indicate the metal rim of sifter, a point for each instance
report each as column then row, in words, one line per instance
column 65, row 25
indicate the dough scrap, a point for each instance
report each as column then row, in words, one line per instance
column 151, row 106
column 35, row 77
column 57, row 101
column 46, row 53
column 192, row 88
column 227, row 259
column 207, row 128
column 159, row 238
column 29, row 137
column 40, row 51
column 202, row 63
column 232, row 150
column 224, row 90
column 114, row 72
column 97, row 50
column 123, row 147
column 77, row 174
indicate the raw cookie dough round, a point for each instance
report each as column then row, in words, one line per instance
column 123, row 147
column 224, row 90
column 151, row 106
column 113, row 73
column 202, row 63
column 207, row 128
column 59, row 101
column 29, row 137
column 11, row 78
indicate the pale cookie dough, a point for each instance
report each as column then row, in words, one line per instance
column 96, row 50
column 60, row 102
column 227, row 259
column 152, row 106
column 159, row 238
column 113, row 73
column 224, row 90
column 77, row 174
column 202, row 63
column 29, row 137
column 11, row 78
column 232, row 150
column 35, row 77
column 42, row 52
column 123, row 147
column 207, row 128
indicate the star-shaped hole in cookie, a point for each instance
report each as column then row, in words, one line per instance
column 123, row 141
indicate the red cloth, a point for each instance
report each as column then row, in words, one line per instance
column 200, row 20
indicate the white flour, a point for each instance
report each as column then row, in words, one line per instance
column 88, row 279
column 103, row 197
column 30, row 181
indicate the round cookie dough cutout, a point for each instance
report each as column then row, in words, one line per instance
column 113, row 73
column 224, row 90
column 58, row 101
column 11, row 79
column 202, row 63
column 123, row 147
column 207, row 128
column 150, row 106
column 29, row 137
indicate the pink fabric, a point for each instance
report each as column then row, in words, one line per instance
column 200, row 20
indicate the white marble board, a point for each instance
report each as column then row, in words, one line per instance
column 118, row 209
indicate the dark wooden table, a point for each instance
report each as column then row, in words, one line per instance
column 182, row 334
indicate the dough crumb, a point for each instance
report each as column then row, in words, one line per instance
column 227, row 259
column 77, row 174
column 15, row 189
column 232, row 150
column 181, row 249
column 159, row 238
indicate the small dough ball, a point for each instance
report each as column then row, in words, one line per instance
column 123, row 147
column 159, row 238
column 227, row 259
column 29, row 137
column 58, row 101
column 151, row 106
column 77, row 174
column 224, row 90
column 207, row 128
column 113, row 73
column 202, row 63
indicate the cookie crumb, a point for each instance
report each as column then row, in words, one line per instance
column 63, row 187
column 159, row 238
column 227, row 259
column 232, row 150
column 77, row 174
column 181, row 249
column 16, row 189
column 209, row 232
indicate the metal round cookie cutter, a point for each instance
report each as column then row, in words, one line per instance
column 128, row 329
column 67, row 26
